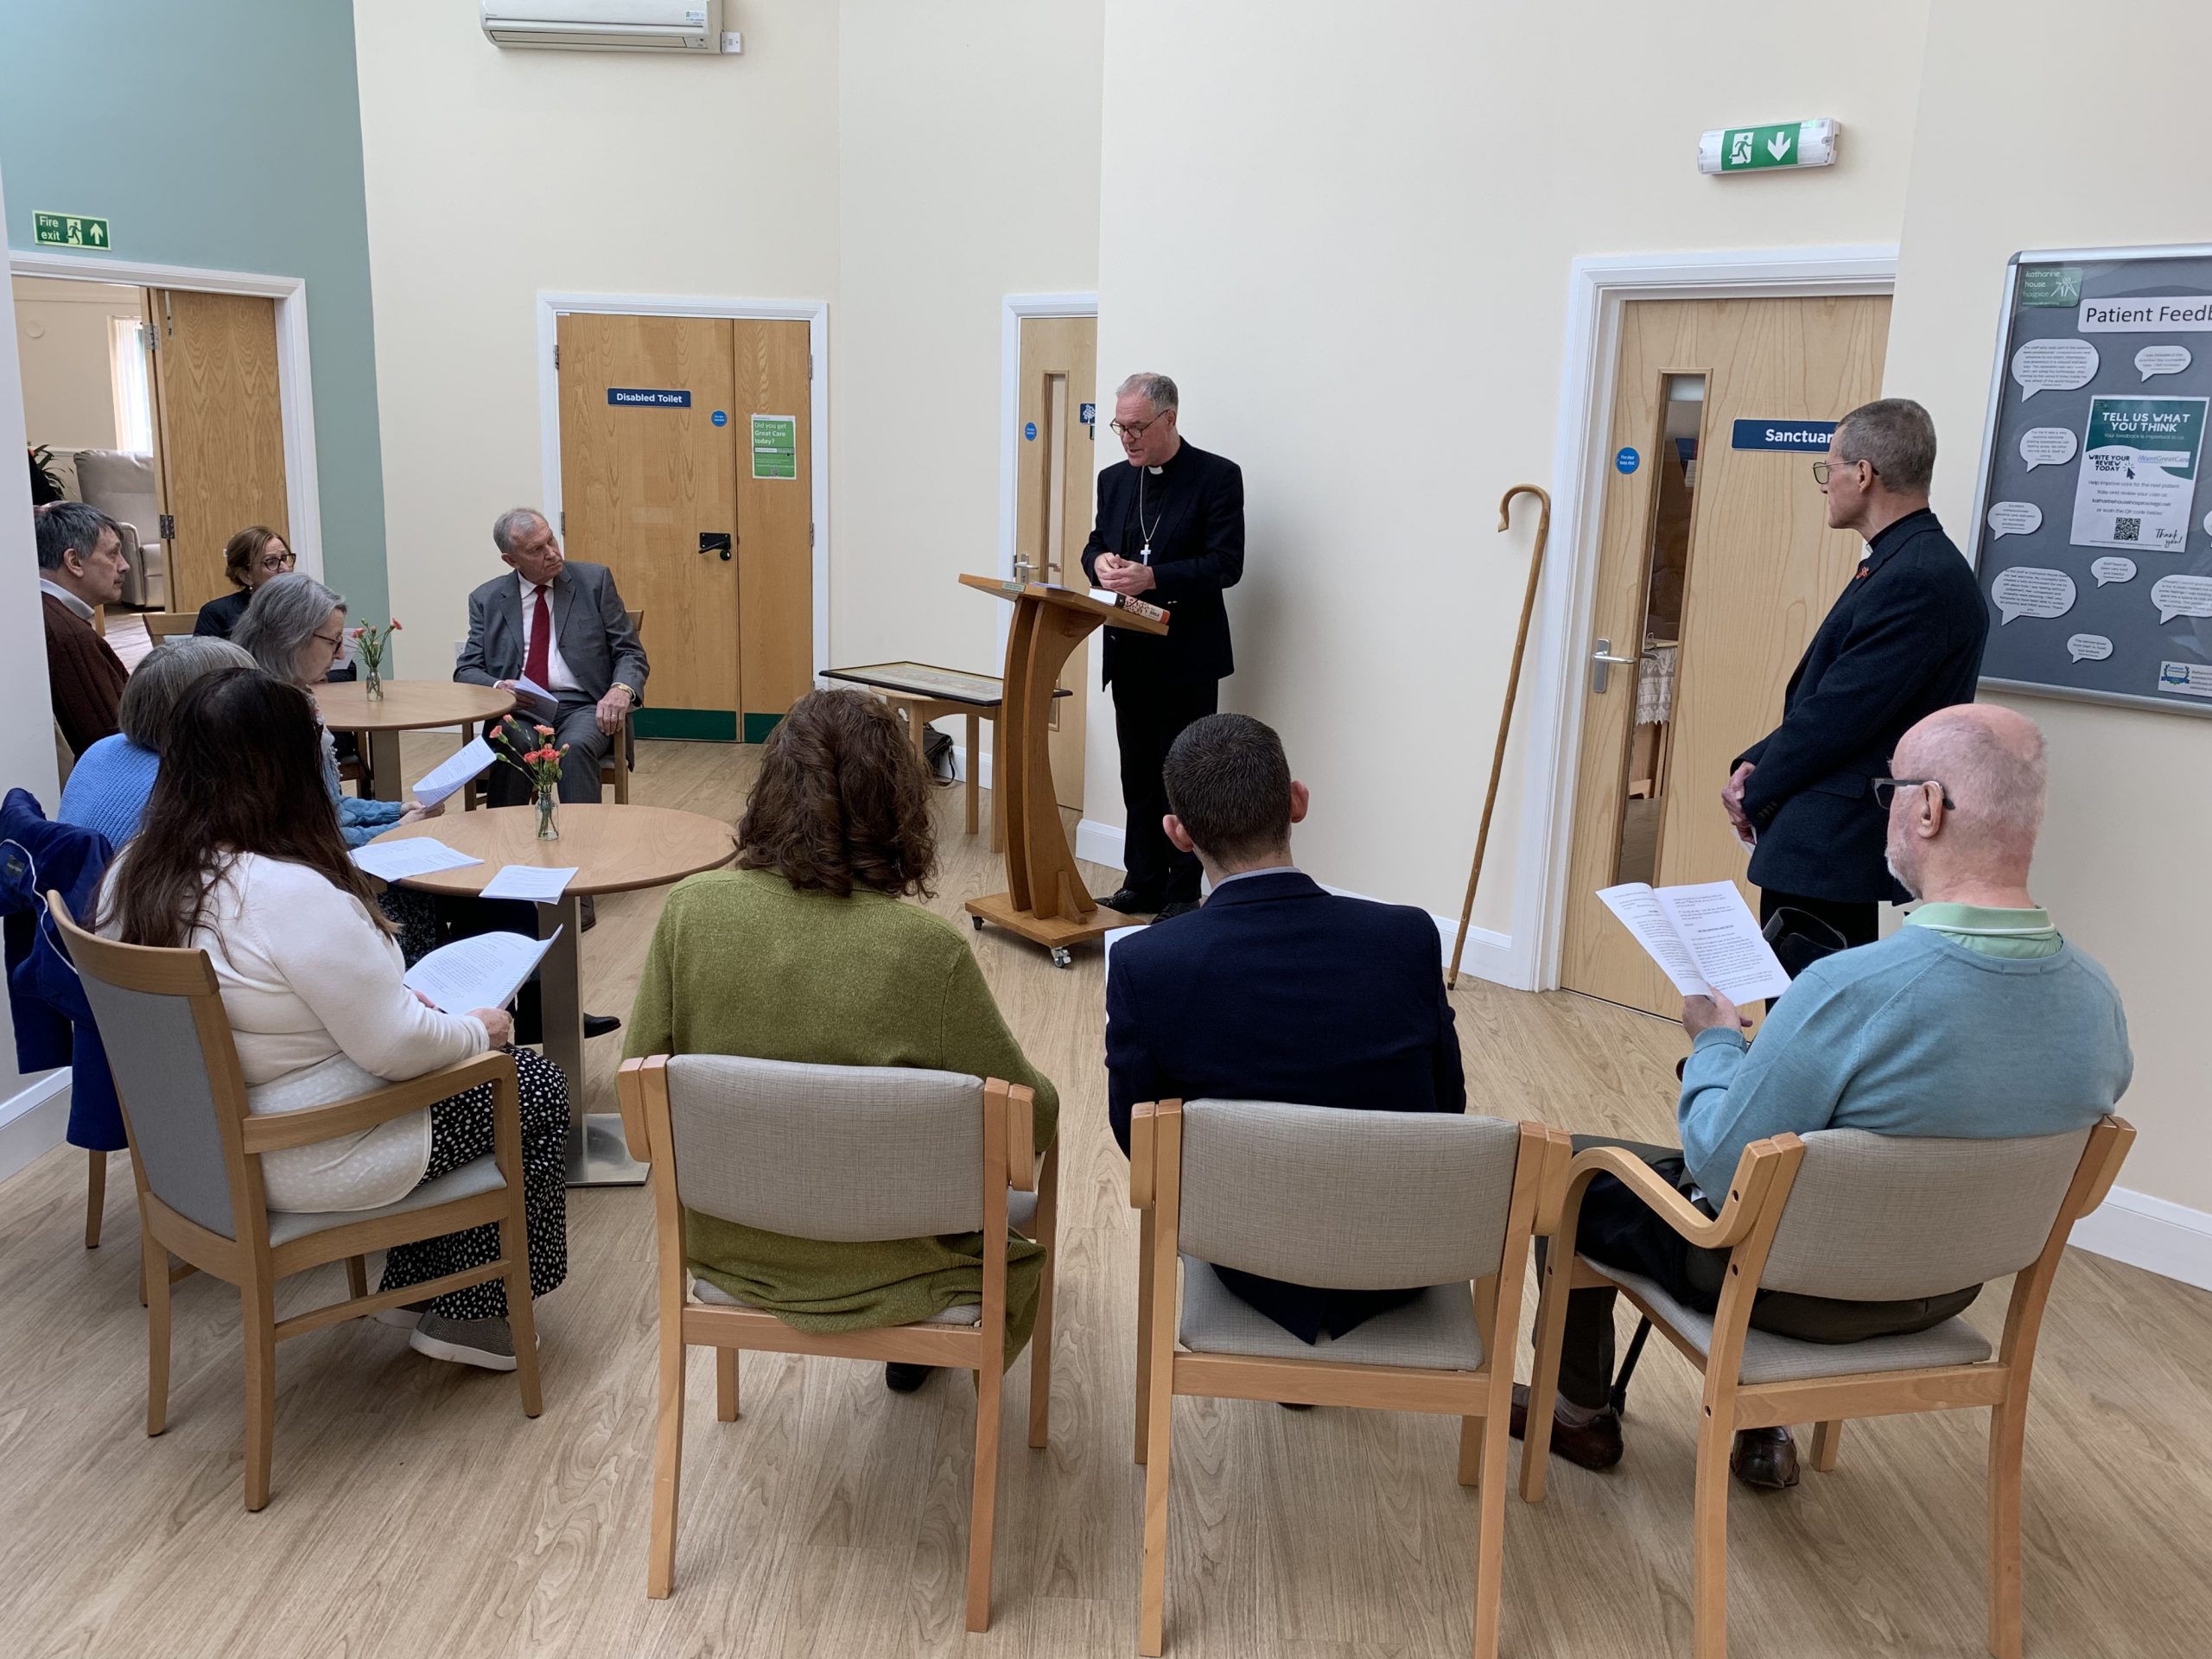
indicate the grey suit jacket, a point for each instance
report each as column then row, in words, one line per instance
column 589, row 623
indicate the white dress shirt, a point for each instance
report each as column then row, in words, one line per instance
column 557, row 677
column 67, row 598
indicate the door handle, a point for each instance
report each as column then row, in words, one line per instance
column 1603, row 662
column 716, row 542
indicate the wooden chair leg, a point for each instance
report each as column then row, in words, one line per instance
column 1543, row 1376
column 2007, row 1433
column 1040, row 1341
column 1490, row 1435
column 522, row 1311
column 1144, row 1332
column 1828, row 1444
column 667, row 1454
column 726, row 1385
column 1709, row 1549
column 95, row 1197
column 983, row 1507
column 257, row 1315
column 356, row 1275
column 1152, row 1600
column 975, row 782
column 154, row 1291
column 1471, row 1451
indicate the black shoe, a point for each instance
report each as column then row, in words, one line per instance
column 1295, row 1405
column 598, row 1025
column 1130, row 902
column 1595, row 1444
column 902, row 1378
column 1765, row 1459
column 590, row 911
column 1175, row 907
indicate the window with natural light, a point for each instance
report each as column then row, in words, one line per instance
column 134, row 408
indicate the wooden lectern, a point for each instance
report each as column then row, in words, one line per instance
column 1046, row 901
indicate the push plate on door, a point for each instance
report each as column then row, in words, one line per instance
column 715, row 541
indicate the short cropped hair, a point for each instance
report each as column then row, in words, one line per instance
column 508, row 527
column 286, row 612
column 840, row 802
column 1156, row 389
column 69, row 527
column 1228, row 781
column 163, row 677
column 1897, row 436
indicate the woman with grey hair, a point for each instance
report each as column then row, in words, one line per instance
column 294, row 630
column 109, row 786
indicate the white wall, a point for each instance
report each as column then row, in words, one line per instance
column 2122, row 863
column 1348, row 236
column 63, row 337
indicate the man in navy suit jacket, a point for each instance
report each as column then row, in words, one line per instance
column 1275, row 990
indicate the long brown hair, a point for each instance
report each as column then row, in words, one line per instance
column 840, row 801
column 241, row 773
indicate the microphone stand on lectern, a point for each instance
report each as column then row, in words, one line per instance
column 1046, row 901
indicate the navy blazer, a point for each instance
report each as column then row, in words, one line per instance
column 1276, row 989
column 45, row 1002
column 1197, row 550
column 589, row 624
column 1904, row 640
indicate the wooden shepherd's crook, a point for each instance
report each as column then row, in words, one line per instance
column 1505, row 716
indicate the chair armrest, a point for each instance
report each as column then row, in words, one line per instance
column 284, row 1131
column 1020, row 1137
column 1141, row 1159
column 630, row 1085
column 1756, row 1170
column 1551, row 1196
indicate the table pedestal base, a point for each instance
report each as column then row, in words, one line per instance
column 597, row 1153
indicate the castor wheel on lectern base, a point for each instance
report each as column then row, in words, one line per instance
column 978, row 921
column 1062, row 956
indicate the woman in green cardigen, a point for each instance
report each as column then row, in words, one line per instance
column 805, row 952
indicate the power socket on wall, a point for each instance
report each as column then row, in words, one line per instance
column 732, row 40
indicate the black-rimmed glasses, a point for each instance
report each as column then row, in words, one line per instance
column 1885, row 791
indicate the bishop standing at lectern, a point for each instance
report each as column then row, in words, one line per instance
column 1170, row 530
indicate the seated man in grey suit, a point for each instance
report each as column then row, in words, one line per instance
column 561, row 626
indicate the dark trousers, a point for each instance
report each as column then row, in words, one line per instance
column 1859, row 921
column 575, row 725
column 1148, row 716
column 1618, row 1230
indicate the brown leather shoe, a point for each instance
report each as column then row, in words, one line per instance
column 1765, row 1459
column 1596, row 1444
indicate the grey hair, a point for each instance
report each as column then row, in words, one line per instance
column 152, row 692
column 1897, row 436
column 69, row 527
column 511, row 524
column 1156, row 389
column 286, row 612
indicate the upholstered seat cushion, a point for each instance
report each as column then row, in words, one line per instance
column 1434, row 1331
column 1770, row 1359
column 711, row 1295
column 467, row 1181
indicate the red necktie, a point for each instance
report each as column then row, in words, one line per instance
column 537, row 661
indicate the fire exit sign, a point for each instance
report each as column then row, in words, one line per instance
column 1750, row 150
column 69, row 230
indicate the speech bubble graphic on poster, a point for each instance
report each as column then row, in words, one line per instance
column 2161, row 360
column 2108, row 571
column 2030, row 590
column 2088, row 647
column 2054, row 365
column 2176, row 596
column 2015, row 519
column 2047, row 446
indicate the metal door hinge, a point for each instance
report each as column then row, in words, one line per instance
column 810, row 535
column 564, row 521
column 168, row 526
column 556, row 357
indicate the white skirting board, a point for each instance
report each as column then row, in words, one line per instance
column 2167, row 1238
column 31, row 1121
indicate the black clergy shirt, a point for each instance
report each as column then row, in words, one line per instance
column 1194, row 506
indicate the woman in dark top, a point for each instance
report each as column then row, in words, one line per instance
column 250, row 558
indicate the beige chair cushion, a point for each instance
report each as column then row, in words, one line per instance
column 467, row 1181
column 1770, row 1359
column 712, row 1295
column 1435, row 1332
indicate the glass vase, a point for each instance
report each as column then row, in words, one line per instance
column 548, row 802
column 373, row 681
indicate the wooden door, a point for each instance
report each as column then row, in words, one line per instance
column 649, row 489
column 1055, row 497
column 1715, row 561
column 220, row 431
column 771, row 421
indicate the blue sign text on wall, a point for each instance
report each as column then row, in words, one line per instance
column 1797, row 438
column 1627, row 460
column 646, row 397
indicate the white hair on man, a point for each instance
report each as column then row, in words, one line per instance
column 1155, row 389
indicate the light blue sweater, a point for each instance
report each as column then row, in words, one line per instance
column 1918, row 1034
column 358, row 820
column 108, row 789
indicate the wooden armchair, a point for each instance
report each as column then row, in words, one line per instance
column 161, row 627
column 1861, row 1217
column 1356, row 1200
column 196, row 1152
column 839, row 1152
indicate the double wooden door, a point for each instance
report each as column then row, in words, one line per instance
column 1716, row 567
column 686, row 469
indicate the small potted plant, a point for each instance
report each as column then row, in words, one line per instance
column 371, row 643
column 540, row 763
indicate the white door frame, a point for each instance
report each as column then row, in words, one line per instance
column 295, row 383
column 815, row 314
column 1597, row 289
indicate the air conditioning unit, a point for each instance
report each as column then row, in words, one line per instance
column 607, row 25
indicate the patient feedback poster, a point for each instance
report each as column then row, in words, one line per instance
column 2093, row 544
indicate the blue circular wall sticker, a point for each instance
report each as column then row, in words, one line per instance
column 722, row 418
column 1029, row 431
column 1627, row 461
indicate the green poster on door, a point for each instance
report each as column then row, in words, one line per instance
column 775, row 446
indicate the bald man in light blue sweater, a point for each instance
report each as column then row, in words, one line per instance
column 1975, row 1021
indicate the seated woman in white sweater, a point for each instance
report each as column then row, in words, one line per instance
column 240, row 856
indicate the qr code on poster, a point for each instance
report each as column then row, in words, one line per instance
column 2127, row 530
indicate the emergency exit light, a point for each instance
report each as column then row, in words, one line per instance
column 1750, row 150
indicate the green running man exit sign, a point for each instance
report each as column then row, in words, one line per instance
column 1750, row 150
column 69, row 230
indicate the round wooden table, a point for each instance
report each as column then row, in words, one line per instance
column 406, row 706
column 613, row 848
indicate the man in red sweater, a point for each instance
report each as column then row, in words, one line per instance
column 80, row 567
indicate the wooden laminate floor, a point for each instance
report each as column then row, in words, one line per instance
column 417, row 1513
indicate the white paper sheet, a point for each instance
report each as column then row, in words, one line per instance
column 468, row 763
column 539, row 701
column 530, row 881
column 393, row 861
column 484, row 971
column 1703, row 936
column 1638, row 908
